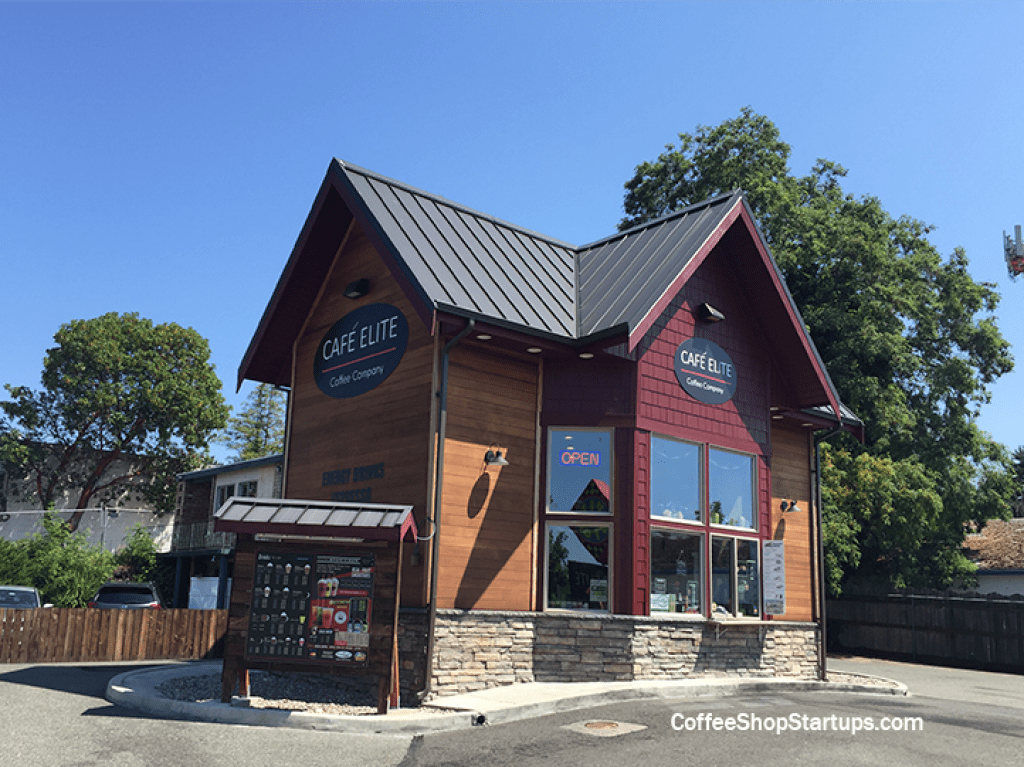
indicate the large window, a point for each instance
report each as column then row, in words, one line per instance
column 578, row 567
column 730, row 488
column 676, row 568
column 735, row 576
column 675, row 479
column 580, row 471
column 703, row 553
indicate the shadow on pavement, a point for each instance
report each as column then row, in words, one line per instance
column 89, row 680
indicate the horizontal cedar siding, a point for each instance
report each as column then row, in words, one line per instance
column 487, row 517
column 791, row 481
column 389, row 424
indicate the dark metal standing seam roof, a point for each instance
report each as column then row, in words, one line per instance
column 473, row 262
column 623, row 277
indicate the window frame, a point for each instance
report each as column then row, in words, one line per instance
column 702, row 490
column 706, row 499
column 220, row 501
column 734, row 578
column 552, row 452
column 248, row 484
column 610, row 565
column 702, row 567
column 710, row 531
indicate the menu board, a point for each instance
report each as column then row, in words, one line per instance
column 311, row 607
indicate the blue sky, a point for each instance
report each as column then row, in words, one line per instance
column 161, row 158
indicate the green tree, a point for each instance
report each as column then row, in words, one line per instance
column 121, row 399
column 908, row 337
column 65, row 568
column 258, row 429
column 558, row 568
column 15, row 567
column 136, row 560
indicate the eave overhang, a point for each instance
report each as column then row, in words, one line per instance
column 316, row 519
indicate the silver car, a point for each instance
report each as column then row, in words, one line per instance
column 19, row 597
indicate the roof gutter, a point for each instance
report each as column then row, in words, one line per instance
column 442, row 428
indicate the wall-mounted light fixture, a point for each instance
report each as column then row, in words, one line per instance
column 708, row 313
column 494, row 457
column 788, row 506
column 357, row 288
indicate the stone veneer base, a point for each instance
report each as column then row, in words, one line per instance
column 475, row 649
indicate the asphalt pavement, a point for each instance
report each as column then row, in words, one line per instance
column 965, row 685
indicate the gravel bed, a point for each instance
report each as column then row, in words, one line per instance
column 315, row 693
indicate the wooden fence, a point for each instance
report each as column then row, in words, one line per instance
column 985, row 632
column 72, row 635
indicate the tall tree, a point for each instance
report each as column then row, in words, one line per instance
column 258, row 429
column 909, row 338
column 121, row 399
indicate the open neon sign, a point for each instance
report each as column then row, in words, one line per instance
column 579, row 458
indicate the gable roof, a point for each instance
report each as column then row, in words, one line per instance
column 450, row 259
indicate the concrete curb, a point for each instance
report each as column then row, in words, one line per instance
column 137, row 690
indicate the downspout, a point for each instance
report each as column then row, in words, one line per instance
column 820, row 437
column 438, row 475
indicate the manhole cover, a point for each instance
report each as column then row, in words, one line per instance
column 604, row 729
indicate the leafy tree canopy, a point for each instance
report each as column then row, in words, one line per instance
column 258, row 429
column 908, row 337
column 121, row 398
column 65, row 568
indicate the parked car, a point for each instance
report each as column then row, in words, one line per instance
column 19, row 597
column 121, row 595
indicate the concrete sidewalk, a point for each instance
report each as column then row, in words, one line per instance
column 138, row 690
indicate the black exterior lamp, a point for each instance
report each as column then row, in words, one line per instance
column 494, row 458
column 708, row 313
column 357, row 289
column 788, row 506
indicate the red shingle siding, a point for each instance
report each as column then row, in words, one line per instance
column 663, row 405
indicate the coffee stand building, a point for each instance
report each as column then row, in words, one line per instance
column 600, row 460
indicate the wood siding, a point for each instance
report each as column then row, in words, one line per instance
column 388, row 425
column 487, row 522
column 791, row 481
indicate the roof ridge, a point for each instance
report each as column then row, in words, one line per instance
column 737, row 193
column 347, row 166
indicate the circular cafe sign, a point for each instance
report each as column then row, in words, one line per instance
column 705, row 371
column 362, row 349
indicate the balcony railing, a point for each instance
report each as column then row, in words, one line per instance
column 199, row 536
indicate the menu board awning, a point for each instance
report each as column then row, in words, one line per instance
column 280, row 516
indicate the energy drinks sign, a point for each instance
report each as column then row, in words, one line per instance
column 360, row 350
column 705, row 371
column 311, row 608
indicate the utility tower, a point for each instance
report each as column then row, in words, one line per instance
column 1014, row 249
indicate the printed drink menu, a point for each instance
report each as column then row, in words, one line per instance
column 311, row 608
